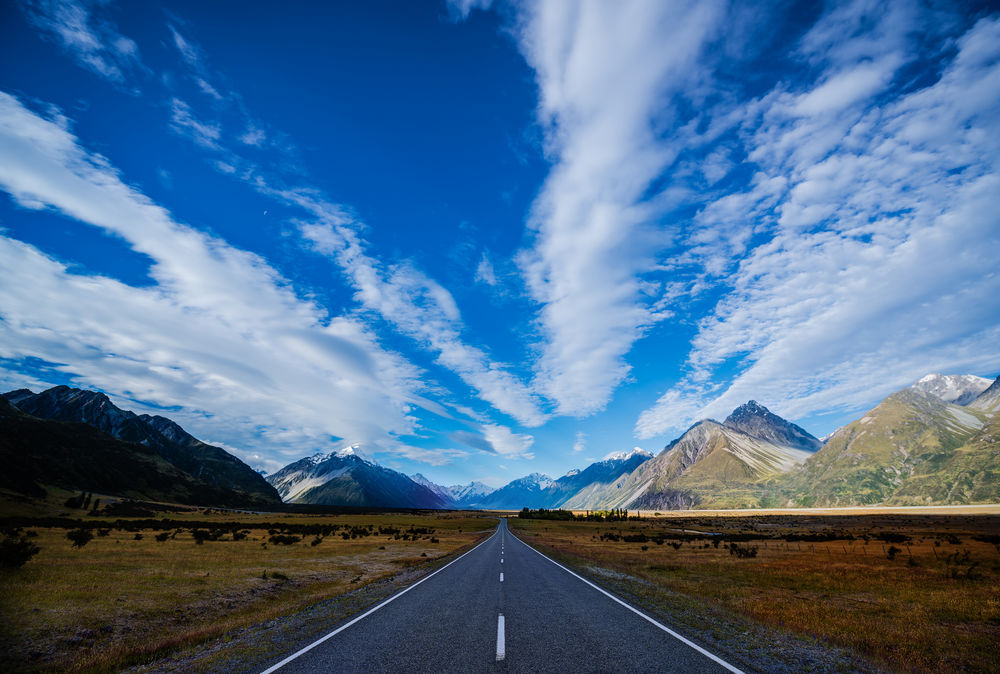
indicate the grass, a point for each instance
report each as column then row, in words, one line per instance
column 933, row 607
column 119, row 601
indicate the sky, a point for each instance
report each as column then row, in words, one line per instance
column 485, row 239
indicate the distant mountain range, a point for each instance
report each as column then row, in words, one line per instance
column 935, row 442
column 79, row 439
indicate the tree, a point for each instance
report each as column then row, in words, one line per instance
column 80, row 537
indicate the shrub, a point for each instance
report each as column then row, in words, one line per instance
column 892, row 552
column 138, row 537
column 162, row 536
column 282, row 539
column 80, row 537
column 15, row 552
column 743, row 552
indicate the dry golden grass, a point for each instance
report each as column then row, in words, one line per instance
column 119, row 601
column 935, row 607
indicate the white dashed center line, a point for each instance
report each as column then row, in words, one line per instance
column 501, row 649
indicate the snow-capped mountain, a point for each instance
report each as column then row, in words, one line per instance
column 576, row 489
column 438, row 489
column 960, row 389
column 626, row 455
column 469, row 495
column 526, row 491
column 344, row 477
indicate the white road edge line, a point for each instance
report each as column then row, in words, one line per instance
column 637, row 612
column 501, row 576
column 501, row 647
column 370, row 611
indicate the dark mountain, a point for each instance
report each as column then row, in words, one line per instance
column 529, row 491
column 756, row 420
column 36, row 452
column 346, row 478
column 211, row 465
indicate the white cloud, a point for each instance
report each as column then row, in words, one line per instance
column 220, row 334
column 508, row 444
column 880, row 264
column 460, row 9
column 419, row 307
column 485, row 272
column 580, row 443
column 607, row 74
column 184, row 122
column 94, row 41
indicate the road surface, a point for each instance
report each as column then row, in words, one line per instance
column 502, row 607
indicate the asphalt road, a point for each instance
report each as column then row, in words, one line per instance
column 539, row 618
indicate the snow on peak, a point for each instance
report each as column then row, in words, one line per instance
column 625, row 456
column 960, row 389
column 349, row 451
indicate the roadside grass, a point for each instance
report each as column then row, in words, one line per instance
column 121, row 600
column 932, row 605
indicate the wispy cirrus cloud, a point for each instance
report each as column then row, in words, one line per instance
column 608, row 75
column 877, row 204
column 83, row 29
column 405, row 297
column 220, row 333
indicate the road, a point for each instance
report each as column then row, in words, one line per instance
column 502, row 607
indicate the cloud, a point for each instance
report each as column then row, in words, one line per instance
column 508, row 444
column 220, row 335
column 459, row 10
column 94, row 41
column 419, row 307
column 879, row 232
column 580, row 443
column 183, row 122
column 608, row 75
column 496, row 439
column 484, row 271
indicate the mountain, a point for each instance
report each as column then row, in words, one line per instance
column 576, row 489
column 469, row 495
column 443, row 492
column 528, row 491
column 77, row 456
column 206, row 463
column 911, row 435
column 345, row 477
column 960, row 389
column 757, row 421
column 713, row 465
column 989, row 400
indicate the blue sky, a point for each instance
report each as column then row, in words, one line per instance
column 488, row 239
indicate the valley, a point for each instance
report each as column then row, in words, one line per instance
column 905, row 592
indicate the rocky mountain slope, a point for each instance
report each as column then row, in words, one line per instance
column 713, row 464
column 208, row 464
column 41, row 452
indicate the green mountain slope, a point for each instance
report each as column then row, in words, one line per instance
column 909, row 434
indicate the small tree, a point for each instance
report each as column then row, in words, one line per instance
column 80, row 537
column 15, row 552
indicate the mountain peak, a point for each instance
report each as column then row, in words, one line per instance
column 626, row 455
column 960, row 389
column 756, row 420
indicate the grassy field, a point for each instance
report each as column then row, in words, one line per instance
column 143, row 586
column 911, row 592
